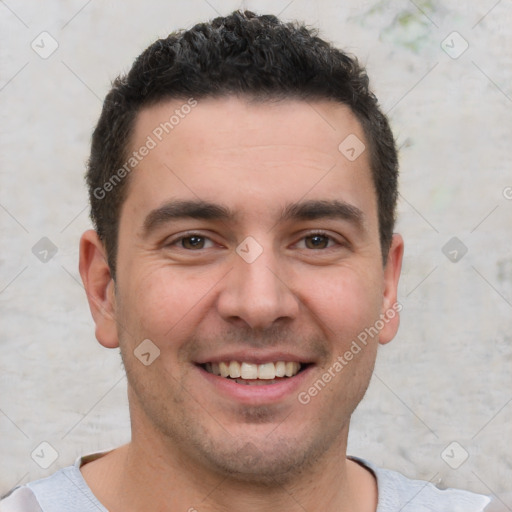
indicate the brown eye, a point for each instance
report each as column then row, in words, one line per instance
column 317, row 241
column 193, row 242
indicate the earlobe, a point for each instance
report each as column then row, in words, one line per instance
column 391, row 308
column 99, row 287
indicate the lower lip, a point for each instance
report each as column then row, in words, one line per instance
column 258, row 393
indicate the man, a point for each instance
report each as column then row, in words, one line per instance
column 243, row 184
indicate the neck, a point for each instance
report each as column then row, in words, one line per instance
column 151, row 470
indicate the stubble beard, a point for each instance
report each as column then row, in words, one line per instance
column 163, row 406
column 268, row 460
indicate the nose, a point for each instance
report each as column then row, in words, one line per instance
column 256, row 293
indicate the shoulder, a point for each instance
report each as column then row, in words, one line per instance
column 20, row 499
column 64, row 491
column 397, row 492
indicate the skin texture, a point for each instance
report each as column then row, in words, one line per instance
column 193, row 445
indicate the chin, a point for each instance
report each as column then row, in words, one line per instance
column 274, row 466
column 265, row 460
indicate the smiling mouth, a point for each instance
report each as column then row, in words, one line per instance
column 255, row 374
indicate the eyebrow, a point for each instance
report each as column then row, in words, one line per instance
column 186, row 209
column 323, row 209
column 204, row 210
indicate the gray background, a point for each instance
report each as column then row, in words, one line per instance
column 445, row 378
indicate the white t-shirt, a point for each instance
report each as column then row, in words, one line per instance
column 67, row 491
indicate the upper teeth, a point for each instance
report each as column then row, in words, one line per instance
column 266, row 371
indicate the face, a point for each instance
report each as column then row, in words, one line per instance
column 248, row 245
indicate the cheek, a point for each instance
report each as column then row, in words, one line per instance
column 159, row 298
column 346, row 302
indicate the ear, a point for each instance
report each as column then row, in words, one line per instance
column 99, row 287
column 391, row 308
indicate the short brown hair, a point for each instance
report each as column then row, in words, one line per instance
column 241, row 54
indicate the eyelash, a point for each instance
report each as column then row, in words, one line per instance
column 308, row 235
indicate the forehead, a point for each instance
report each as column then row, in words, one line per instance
column 252, row 154
column 231, row 121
